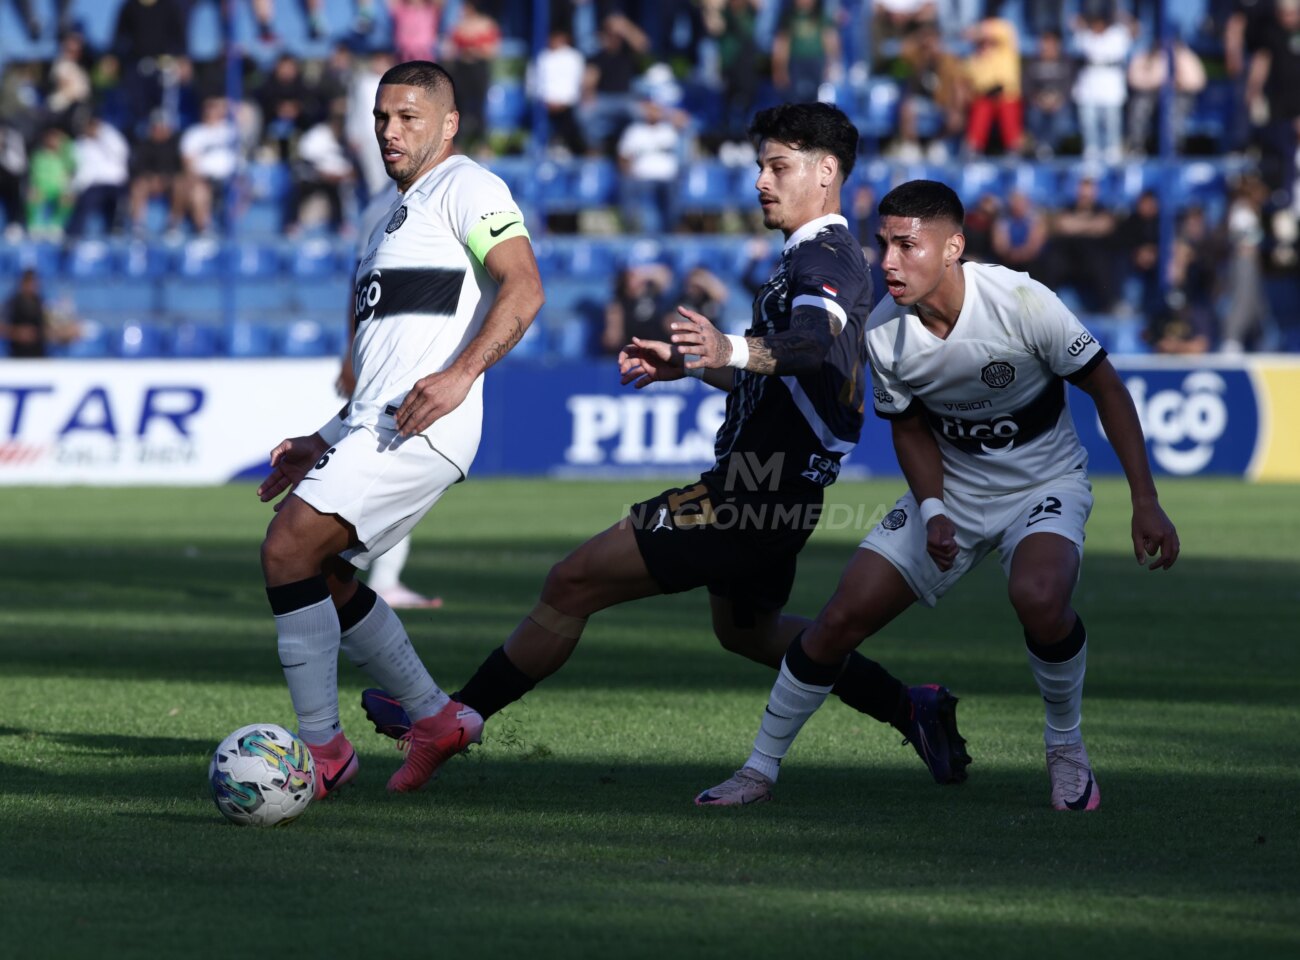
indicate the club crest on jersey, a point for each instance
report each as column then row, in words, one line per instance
column 998, row 374
column 894, row 519
column 396, row 220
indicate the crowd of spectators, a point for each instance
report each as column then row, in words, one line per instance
column 138, row 138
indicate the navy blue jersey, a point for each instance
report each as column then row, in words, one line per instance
column 785, row 436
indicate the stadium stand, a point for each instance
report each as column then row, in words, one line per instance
column 247, row 290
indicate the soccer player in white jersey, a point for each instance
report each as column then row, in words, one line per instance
column 969, row 363
column 447, row 287
column 386, row 570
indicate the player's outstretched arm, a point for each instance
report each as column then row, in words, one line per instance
column 1153, row 532
column 519, row 296
column 652, row 361
column 290, row 461
column 918, row 456
column 801, row 349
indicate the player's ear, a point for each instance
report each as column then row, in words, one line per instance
column 451, row 124
column 828, row 169
column 955, row 247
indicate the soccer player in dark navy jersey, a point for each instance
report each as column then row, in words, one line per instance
column 796, row 384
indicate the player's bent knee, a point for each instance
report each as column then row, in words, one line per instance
column 1040, row 602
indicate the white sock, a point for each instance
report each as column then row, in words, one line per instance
column 378, row 644
column 386, row 571
column 789, row 705
column 1061, row 685
column 309, row 655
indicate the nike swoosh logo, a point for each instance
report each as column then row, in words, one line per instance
column 500, row 230
column 331, row 782
column 1082, row 802
column 1039, row 520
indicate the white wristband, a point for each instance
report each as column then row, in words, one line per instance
column 696, row 372
column 739, row 352
column 931, row 507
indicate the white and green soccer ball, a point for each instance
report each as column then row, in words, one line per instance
column 262, row 776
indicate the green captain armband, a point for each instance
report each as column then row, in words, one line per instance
column 494, row 228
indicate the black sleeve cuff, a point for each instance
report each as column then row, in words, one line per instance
column 1087, row 368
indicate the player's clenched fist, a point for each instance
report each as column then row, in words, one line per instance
column 432, row 397
column 941, row 541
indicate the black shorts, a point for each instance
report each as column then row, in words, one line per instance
column 743, row 550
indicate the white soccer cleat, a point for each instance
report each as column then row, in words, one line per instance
column 1073, row 785
column 744, row 787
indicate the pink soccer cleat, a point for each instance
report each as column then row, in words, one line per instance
column 336, row 764
column 433, row 741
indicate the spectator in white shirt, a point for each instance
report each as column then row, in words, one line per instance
column 209, row 158
column 103, row 160
column 1102, row 84
column 557, row 81
column 323, row 168
column 649, row 157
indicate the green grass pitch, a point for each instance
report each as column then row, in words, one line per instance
column 134, row 634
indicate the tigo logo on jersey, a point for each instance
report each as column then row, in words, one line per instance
column 998, row 374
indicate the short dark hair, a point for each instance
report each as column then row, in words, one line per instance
column 809, row 126
column 424, row 74
column 924, row 200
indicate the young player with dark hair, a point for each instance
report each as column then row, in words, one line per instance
column 795, row 385
column 445, row 287
column 969, row 363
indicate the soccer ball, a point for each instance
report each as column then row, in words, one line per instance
column 262, row 776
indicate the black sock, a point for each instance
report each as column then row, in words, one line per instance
column 869, row 688
column 1062, row 650
column 806, row 670
column 496, row 684
column 289, row 597
column 356, row 609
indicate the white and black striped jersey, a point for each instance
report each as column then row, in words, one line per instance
column 812, row 420
column 422, row 293
column 993, row 391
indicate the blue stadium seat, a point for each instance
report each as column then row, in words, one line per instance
column 593, row 183
column 315, row 258
column 91, row 345
column 310, row 338
column 89, row 258
column 1201, row 182
column 146, row 260
column 507, row 107
column 1133, row 178
column 202, row 257
column 707, row 187
column 1041, row 182
column 589, row 259
column 139, row 339
column 249, row 339
column 44, row 258
column 978, row 178
column 261, row 220
column 879, row 116
column 267, row 181
column 195, row 340
column 553, row 190
column 256, row 260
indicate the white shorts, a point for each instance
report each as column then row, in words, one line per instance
column 380, row 483
column 984, row 523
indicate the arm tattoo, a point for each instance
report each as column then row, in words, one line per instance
column 499, row 348
column 801, row 349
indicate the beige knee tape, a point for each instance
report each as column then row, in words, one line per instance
column 560, row 624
